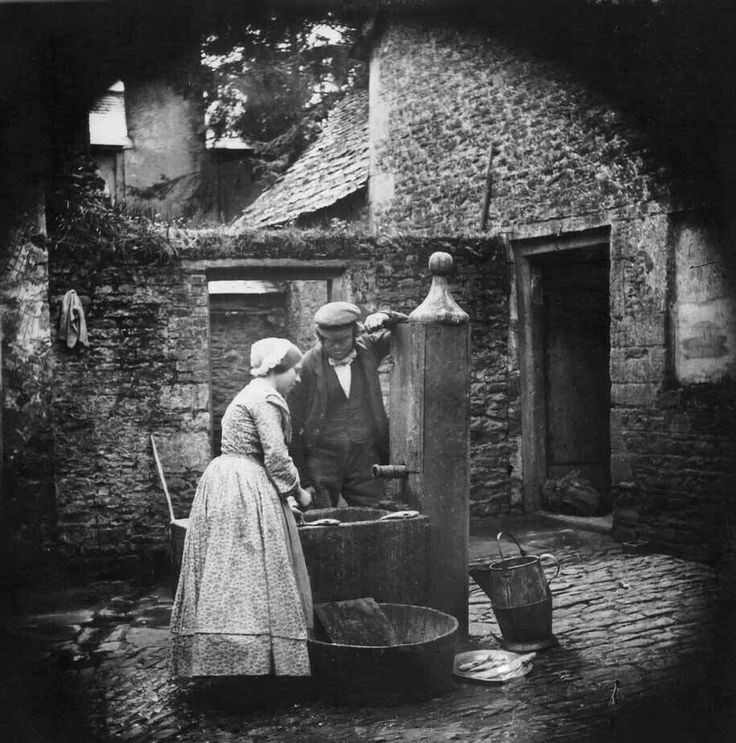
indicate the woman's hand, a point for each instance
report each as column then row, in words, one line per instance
column 295, row 510
column 298, row 516
column 304, row 497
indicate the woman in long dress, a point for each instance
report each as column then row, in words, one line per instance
column 243, row 604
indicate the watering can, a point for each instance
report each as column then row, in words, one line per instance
column 520, row 597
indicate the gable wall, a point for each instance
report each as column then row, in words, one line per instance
column 445, row 95
column 565, row 160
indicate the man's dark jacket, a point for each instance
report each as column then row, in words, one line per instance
column 308, row 399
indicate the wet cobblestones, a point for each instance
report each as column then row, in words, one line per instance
column 647, row 622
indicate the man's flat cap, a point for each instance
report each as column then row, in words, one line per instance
column 336, row 314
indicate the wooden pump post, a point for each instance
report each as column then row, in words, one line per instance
column 430, row 432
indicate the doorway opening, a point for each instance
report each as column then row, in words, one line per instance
column 564, row 344
column 241, row 312
column 247, row 303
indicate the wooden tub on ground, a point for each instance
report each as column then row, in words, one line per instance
column 417, row 668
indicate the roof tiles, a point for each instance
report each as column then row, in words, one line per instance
column 331, row 168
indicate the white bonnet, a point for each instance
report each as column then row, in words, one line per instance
column 270, row 353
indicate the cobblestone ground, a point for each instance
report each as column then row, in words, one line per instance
column 656, row 624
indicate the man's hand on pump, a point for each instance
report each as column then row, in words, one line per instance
column 376, row 321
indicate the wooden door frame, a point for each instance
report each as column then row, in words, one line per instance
column 531, row 351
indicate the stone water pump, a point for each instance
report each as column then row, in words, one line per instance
column 430, row 439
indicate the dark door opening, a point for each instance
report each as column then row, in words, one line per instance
column 247, row 304
column 575, row 350
column 236, row 322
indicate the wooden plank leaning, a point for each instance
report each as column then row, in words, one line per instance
column 356, row 622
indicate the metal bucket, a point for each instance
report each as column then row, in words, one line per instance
column 520, row 596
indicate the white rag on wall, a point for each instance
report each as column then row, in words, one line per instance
column 72, row 325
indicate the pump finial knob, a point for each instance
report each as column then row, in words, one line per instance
column 441, row 264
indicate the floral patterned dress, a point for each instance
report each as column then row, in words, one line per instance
column 243, row 605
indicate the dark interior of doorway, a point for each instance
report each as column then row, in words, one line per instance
column 236, row 322
column 576, row 343
column 248, row 304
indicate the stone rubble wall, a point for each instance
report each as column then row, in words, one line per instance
column 27, row 474
column 447, row 95
column 147, row 372
column 566, row 160
column 144, row 373
column 673, row 442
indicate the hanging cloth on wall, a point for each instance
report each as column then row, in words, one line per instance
column 72, row 325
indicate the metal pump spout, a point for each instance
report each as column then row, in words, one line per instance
column 390, row 471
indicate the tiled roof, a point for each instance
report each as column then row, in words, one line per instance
column 332, row 167
column 107, row 125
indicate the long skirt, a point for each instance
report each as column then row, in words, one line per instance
column 243, row 605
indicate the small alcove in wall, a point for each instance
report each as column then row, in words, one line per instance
column 563, row 290
column 250, row 300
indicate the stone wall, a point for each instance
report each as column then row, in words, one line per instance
column 26, row 446
column 481, row 287
column 565, row 160
column 168, row 173
column 443, row 96
column 672, row 402
column 232, row 332
column 146, row 372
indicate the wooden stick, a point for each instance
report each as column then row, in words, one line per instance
column 488, row 192
column 163, row 479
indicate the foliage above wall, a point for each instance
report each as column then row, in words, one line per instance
column 270, row 81
column 82, row 221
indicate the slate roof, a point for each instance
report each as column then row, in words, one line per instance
column 331, row 168
column 107, row 125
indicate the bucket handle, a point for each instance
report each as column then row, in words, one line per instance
column 513, row 538
column 554, row 560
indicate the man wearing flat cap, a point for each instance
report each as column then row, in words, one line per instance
column 339, row 422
